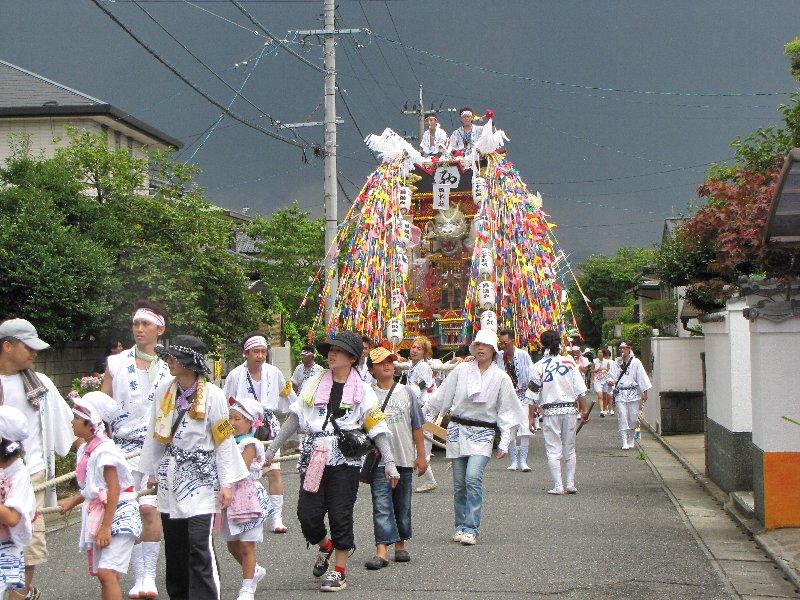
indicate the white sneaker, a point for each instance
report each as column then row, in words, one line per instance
column 134, row 592
column 458, row 536
column 468, row 539
column 571, row 489
column 259, row 574
column 427, row 487
column 524, row 467
column 246, row 593
column 512, row 467
column 556, row 491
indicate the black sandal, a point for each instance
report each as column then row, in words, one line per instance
column 376, row 562
column 402, row 556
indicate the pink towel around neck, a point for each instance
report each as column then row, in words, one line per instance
column 351, row 396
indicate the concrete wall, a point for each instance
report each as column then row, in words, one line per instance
column 62, row 365
column 676, row 368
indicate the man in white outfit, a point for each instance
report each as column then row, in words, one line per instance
column 562, row 396
column 434, row 139
column 131, row 378
column 517, row 364
column 630, row 383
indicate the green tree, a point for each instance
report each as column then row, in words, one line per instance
column 170, row 245
column 291, row 246
column 606, row 280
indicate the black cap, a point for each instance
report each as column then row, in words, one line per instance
column 349, row 341
column 188, row 350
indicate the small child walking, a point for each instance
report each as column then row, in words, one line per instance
column 17, row 502
column 243, row 521
column 110, row 521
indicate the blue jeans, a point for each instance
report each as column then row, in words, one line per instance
column 468, row 491
column 391, row 508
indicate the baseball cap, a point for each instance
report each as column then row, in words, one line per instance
column 24, row 331
column 380, row 354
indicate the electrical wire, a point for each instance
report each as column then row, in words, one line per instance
column 380, row 50
column 280, row 43
column 563, row 84
column 188, row 82
column 397, row 32
column 352, row 118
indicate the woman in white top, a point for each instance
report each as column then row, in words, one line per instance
column 601, row 367
column 421, row 382
column 480, row 397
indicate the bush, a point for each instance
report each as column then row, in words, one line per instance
column 634, row 333
column 661, row 314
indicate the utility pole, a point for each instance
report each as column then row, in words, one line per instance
column 330, row 194
column 420, row 112
column 330, row 197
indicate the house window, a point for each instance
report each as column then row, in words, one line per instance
column 117, row 140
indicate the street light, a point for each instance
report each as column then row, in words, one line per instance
column 783, row 222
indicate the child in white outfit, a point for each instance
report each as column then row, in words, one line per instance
column 110, row 521
column 18, row 504
column 243, row 521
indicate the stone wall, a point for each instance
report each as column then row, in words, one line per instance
column 682, row 412
column 63, row 364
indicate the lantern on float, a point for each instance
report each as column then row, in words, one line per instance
column 489, row 320
column 485, row 266
column 404, row 198
column 486, row 294
column 394, row 331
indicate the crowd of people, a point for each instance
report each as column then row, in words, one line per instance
column 164, row 454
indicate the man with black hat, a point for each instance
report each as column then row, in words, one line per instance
column 49, row 426
column 333, row 403
column 192, row 458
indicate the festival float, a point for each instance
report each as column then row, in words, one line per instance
column 442, row 247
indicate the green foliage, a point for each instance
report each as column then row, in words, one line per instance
column 678, row 261
column 605, row 281
column 661, row 314
column 292, row 249
column 83, row 239
column 792, row 51
column 635, row 334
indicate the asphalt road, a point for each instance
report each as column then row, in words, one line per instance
column 619, row 537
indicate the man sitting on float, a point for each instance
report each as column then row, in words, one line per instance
column 463, row 139
column 434, row 138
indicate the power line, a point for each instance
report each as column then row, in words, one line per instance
column 352, row 117
column 563, row 84
column 198, row 59
column 380, row 50
column 280, row 43
column 397, row 32
column 185, row 80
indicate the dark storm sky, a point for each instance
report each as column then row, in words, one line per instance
column 611, row 165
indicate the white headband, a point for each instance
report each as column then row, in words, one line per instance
column 145, row 314
column 466, row 112
column 257, row 341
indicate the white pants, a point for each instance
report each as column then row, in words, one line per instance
column 559, row 436
column 627, row 415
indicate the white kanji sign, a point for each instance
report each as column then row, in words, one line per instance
column 448, row 175
column 441, row 197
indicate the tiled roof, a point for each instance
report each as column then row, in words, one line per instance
column 19, row 88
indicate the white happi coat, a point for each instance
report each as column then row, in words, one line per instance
column 191, row 470
column 273, row 391
column 458, row 138
column 561, row 382
column 126, row 517
column 301, row 374
column 129, row 423
column 20, row 498
column 458, row 394
column 633, row 384
column 437, row 144
column 311, row 418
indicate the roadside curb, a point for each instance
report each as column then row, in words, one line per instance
column 751, row 526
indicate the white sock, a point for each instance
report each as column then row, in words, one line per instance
column 277, row 502
column 137, row 565
column 150, row 551
column 555, row 470
column 248, row 584
column 570, row 464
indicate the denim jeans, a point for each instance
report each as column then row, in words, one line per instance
column 468, row 491
column 391, row 508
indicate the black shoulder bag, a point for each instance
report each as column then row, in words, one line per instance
column 353, row 443
column 621, row 375
column 373, row 457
